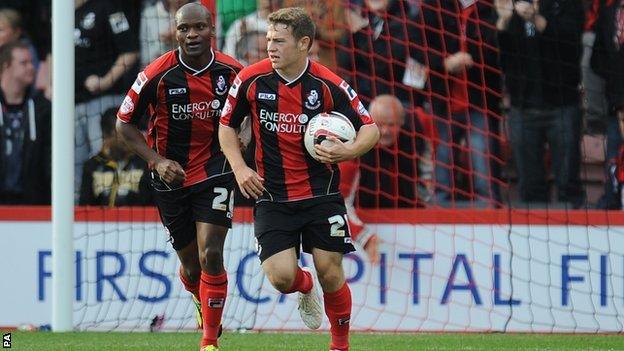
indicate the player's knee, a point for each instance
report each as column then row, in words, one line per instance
column 331, row 278
column 281, row 282
column 211, row 258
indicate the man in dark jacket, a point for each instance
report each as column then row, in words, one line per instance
column 540, row 53
column 25, row 153
column 383, row 33
column 106, row 48
column 462, row 55
column 608, row 61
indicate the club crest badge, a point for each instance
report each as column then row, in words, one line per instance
column 312, row 100
column 222, row 87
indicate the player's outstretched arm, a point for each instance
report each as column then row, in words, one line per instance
column 365, row 139
column 170, row 171
column 249, row 182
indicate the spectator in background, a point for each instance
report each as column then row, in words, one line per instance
column 25, row 149
column 11, row 30
column 253, row 22
column 383, row 184
column 541, row 51
column 251, row 48
column 465, row 83
column 10, row 26
column 31, row 12
column 157, row 29
column 388, row 171
column 116, row 176
column 379, row 50
column 608, row 62
column 40, row 12
column 24, row 7
column 106, row 64
column 594, row 100
column 35, row 22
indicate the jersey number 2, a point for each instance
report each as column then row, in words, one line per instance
column 220, row 202
column 337, row 222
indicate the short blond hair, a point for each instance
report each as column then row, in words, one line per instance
column 297, row 19
column 12, row 18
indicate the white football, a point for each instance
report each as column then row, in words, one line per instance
column 325, row 124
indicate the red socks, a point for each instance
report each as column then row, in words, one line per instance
column 338, row 310
column 213, row 290
column 302, row 283
column 192, row 288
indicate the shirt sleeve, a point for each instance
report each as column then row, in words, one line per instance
column 348, row 103
column 237, row 105
column 141, row 95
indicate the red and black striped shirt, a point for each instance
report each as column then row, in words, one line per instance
column 279, row 112
column 184, row 106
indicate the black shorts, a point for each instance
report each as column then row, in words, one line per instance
column 320, row 222
column 209, row 201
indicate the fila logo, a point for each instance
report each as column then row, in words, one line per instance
column 266, row 96
column 177, row 91
column 216, row 302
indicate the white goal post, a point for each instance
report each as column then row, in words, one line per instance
column 62, row 164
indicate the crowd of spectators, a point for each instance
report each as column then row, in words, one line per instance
column 481, row 103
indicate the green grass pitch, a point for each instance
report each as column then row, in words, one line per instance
column 312, row 341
